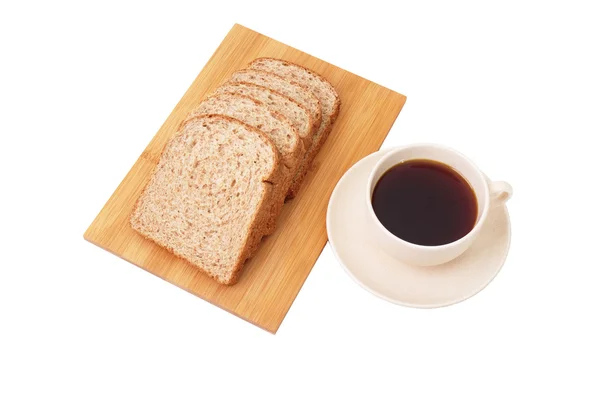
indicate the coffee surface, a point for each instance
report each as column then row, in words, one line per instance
column 425, row 202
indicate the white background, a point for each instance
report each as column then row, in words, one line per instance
column 83, row 88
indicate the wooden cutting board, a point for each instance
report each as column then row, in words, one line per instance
column 272, row 279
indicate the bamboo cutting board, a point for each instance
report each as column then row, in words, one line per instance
column 272, row 279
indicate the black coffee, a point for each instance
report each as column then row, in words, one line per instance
column 425, row 202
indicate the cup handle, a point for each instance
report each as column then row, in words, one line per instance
column 500, row 192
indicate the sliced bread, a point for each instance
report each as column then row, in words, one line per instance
column 292, row 110
column 295, row 92
column 256, row 114
column 208, row 198
column 277, row 128
column 321, row 88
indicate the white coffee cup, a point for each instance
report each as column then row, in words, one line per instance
column 489, row 194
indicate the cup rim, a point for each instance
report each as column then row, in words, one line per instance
column 486, row 201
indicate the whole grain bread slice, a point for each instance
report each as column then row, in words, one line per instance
column 275, row 126
column 295, row 92
column 321, row 88
column 208, row 198
column 297, row 114
column 256, row 114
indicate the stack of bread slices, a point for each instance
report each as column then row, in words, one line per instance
column 222, row 179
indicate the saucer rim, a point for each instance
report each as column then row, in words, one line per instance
column 328, row 223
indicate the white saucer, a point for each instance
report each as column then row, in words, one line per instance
column 399, row 283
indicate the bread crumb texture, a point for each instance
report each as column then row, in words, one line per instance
column 206, row 195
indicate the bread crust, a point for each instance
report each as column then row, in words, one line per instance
column 311, row 72
column 326, row 130
column 292, row 158
column 308, row 139
column 316, row 118
column 258, row 226
column 311, row 154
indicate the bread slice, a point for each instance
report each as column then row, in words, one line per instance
column 277, row 102
column 256, row 114
column 321, row 88
column 277, row 128
column 295, row 92
column 208, row 198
